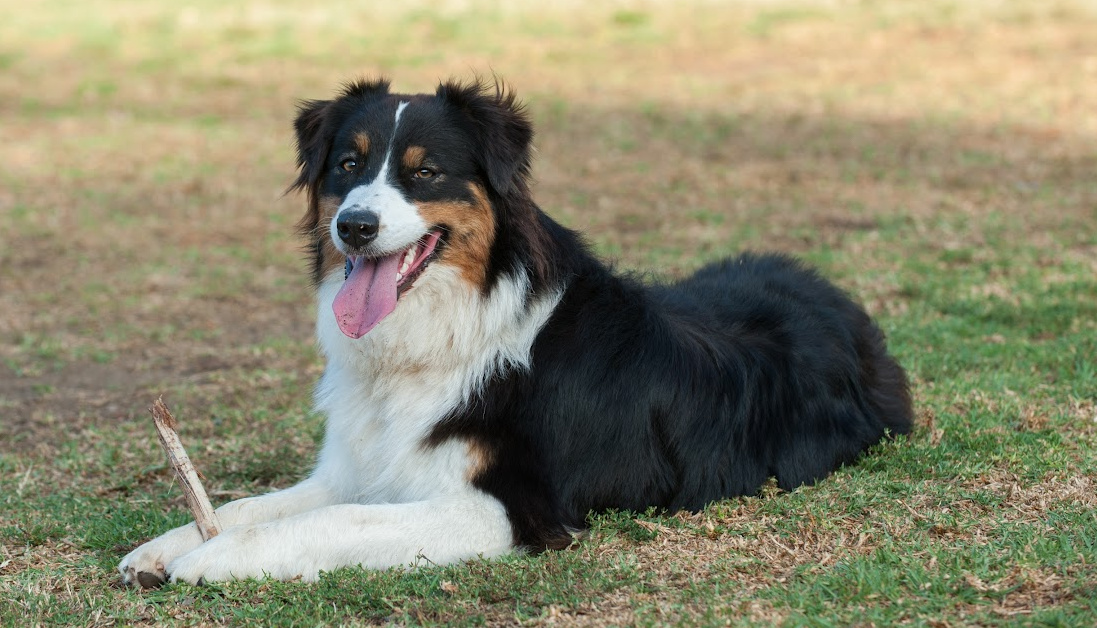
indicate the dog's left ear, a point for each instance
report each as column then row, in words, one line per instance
column 502, row 130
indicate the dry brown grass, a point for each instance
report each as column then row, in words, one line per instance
column 144, row 241
column 672, row 136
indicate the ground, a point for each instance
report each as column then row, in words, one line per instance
column 937, row 159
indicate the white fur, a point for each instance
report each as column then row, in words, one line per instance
column 400, row 222
column 379, row 496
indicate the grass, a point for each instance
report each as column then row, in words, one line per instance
column 935, row 158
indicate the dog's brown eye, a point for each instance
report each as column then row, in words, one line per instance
column 423, row 173
column 349, row 165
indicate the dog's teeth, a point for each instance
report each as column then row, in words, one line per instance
column 403, row 268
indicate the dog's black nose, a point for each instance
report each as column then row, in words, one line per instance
column 357, row 227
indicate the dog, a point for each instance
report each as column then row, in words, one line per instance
column 489, row 382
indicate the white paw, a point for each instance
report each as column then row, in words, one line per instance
column 146, row 565
column 243, row 552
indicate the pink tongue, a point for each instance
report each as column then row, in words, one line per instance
column 367, row 296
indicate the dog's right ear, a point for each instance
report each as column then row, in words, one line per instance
column 313, row 142
column 316, row 127
column 316, row 124
column 314, row 137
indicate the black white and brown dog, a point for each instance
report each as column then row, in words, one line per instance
column 489, row 382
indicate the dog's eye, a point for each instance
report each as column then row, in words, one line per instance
column 349, row 165
column 423, row 173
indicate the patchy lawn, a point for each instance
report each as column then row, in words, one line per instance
column 938, row 159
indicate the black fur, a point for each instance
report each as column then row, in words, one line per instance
column 316, row 125
column 674, row 395
column 669, row 395
column 500, row 130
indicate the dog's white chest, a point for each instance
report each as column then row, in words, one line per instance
column 376, row 446
column 384, row 393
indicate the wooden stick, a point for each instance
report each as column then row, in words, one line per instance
column 189, row 481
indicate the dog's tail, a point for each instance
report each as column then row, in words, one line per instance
column 886, row 382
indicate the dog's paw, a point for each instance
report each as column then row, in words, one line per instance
column 146, row 566
column 242, row 552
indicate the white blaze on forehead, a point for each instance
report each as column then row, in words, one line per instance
column 401, row 224
column 388, row 153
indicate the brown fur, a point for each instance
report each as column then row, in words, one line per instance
column 326, row 206
column 361, row 141
column 480, row 459
column 414, row 156
column 472, row 231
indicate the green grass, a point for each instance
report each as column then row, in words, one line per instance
column 145, row 249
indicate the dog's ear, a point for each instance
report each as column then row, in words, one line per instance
column 502, row 130
column 315, row 126
column 314, row 137
column 313, row 142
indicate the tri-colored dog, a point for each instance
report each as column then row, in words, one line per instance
column 489, row 382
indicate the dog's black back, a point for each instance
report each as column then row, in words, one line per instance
column 678, row 395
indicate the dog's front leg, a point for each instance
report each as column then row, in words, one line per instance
column 440, row 531
column 153, row 557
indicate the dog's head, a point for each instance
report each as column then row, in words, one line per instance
column 399, row 183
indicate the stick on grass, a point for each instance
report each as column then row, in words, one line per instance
column 193, row 490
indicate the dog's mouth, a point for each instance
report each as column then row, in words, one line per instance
column 374, row 284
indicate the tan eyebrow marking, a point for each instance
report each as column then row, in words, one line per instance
column 361, row 141
column 414, row 156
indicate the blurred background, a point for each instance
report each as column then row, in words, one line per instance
column 937, row 158
column 146, row 145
